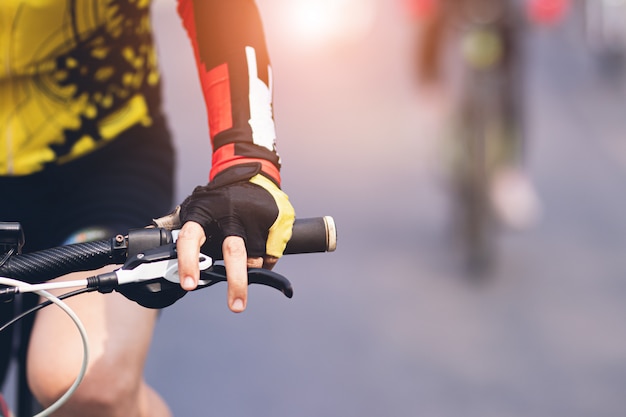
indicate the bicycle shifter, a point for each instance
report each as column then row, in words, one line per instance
column 151, row 278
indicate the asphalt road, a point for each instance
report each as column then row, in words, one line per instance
column 387, row 325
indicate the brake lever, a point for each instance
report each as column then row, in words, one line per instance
column 217, row 273
column 156, row 263
column 161, row 263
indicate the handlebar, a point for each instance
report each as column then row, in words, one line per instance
column 313, row 235
column 310, row 235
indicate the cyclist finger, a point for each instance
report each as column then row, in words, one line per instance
column 236, row 263
column 190, row 239
column 270, row 261
column 255, row 262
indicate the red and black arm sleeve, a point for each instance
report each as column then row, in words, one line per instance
column 236, row 78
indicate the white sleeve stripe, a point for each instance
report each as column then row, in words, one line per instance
column 260, row 98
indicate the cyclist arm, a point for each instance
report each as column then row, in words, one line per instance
column 243, row 195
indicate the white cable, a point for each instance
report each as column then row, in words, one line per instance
column 47, row 286
column 83, row 334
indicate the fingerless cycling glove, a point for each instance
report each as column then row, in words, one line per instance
column 243, row 202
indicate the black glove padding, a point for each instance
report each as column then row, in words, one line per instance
column 243, row 202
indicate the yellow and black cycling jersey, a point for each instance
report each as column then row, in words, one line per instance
column 74, row 74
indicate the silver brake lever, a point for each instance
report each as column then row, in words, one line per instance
column 167, row 269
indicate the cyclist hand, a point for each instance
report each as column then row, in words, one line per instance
column 255, row 217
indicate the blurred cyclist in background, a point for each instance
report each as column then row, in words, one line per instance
column 443, row 30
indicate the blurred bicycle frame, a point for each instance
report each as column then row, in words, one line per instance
column 484, row 133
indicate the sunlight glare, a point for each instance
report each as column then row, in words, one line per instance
column 328, row 21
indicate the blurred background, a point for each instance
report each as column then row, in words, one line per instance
column 389, row 324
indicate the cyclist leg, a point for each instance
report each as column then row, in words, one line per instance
column 512, row 193
column 122, row 186
column 120, row 332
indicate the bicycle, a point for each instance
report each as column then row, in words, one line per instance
column 484, row 132
column 148, row 274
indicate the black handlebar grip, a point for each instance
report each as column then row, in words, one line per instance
column 51, row 263
column 312, row 235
